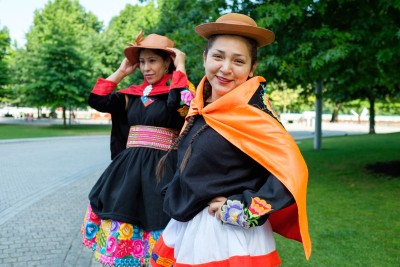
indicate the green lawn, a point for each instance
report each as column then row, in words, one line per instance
column 354, row 216
column 13, row 131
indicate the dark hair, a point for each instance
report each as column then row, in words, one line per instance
column 252, row 43
column 161, row 163
column 164, row 55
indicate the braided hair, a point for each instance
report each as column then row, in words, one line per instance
column 161, row 164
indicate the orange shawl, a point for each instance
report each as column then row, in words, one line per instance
column 265, row 140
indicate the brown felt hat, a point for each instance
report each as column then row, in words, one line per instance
column 151, row 41
column 237, row 24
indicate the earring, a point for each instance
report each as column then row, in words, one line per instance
column 166, row 70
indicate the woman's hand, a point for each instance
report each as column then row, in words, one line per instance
column 124, row 70
column 127, row 67
column 214, row 206
column 179, row 59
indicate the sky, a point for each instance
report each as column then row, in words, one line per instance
column 17, row 15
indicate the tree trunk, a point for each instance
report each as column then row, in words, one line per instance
column 64, row 118
column 335, row 113
column 69, row 119
column 371, row 115
column 318, row 115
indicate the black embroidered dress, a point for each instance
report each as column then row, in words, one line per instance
column 125, row 215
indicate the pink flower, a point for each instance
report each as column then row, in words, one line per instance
column 111, row 244
column 187, row 96
column 138, row 249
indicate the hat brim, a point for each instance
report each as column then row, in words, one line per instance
column 262, row 36
column 132, row 52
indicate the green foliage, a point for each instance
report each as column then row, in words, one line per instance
column 4, row 69
column 179, row 26
column 352, row 48
column 57, row 59
column 288, row 100
column 122, row 31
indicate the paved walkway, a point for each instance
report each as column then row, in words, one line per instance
column 44, row 183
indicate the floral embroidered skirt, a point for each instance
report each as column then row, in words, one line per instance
column 204, row 241
column 117, row 243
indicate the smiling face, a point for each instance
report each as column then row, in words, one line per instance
column 152, row 65
column 228, row 64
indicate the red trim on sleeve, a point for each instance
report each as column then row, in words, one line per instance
column 103, row 87
column 179, row 80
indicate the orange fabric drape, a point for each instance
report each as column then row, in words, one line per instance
column 265, row 140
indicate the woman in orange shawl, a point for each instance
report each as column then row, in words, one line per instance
column 241, row 175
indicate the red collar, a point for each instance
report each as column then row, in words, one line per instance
column 161, row 87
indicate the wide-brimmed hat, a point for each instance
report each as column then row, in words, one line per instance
column 151, row 41
column 237, row 24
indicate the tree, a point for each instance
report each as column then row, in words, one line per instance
column 120, row 33
column 179, row 26
column 4, row 71
column 57, row 59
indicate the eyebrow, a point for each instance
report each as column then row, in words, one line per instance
column 151, row 57
column 236, row 55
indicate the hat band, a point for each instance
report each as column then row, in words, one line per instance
column 236, row 22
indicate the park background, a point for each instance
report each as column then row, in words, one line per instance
column 343, row 55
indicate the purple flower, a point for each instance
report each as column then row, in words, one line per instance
column 114, row 226
column 233, row 213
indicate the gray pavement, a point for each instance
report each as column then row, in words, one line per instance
column 44, row 183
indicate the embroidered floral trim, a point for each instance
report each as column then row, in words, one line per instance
column 258, row 208
column 186, row 96
column 183, row 111
column 117, row 243
column 233, row 213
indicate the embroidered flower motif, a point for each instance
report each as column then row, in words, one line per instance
column 114, row 226
column 106, row 226
column 192, row 88
column 125, row 231
column 259, row 206
column 91, row 230
column 151, row 244
column 186, row 97
column 146, row 235
column 137, row 234
column 111, row 245
column 94, row 218
column 232, row 213
column 123, row 249
column 183, row 111
column 138, row 249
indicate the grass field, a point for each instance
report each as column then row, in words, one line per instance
column 14, row 131
column 354, row 215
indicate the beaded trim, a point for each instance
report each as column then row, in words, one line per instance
column 151, row 137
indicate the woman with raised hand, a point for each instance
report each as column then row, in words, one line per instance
column 240, row 175
column 125, row 216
